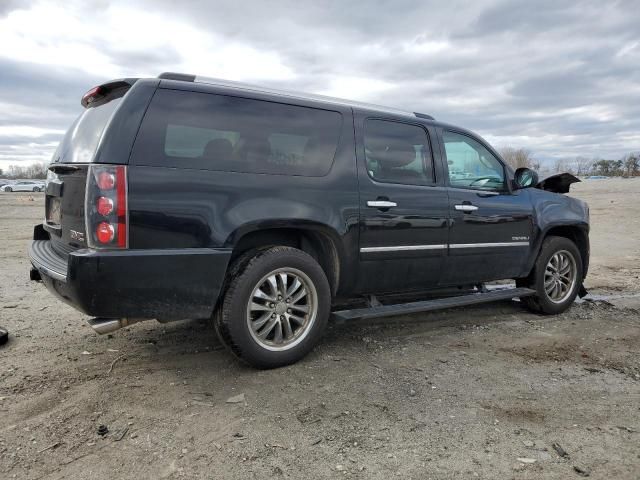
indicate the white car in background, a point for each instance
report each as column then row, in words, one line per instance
column 24, row 186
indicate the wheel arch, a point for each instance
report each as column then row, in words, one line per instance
column 578, row 233
column 319, row 241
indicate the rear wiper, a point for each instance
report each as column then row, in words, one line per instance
column 63, row 168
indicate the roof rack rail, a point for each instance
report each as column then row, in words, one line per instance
column 177, row 76
column 423, row 115
column 285, row 93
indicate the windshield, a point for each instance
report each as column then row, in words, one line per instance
column 81, row 141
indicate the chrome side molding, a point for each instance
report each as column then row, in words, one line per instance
column 404, row 248
column 489, row 245
column 401, row 248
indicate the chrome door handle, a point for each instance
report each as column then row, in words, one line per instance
column 466, row 208
column 381, row 204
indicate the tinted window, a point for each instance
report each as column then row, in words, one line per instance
column 471, row 165
column 217, row 132
column 398, row 153
column 81, row 140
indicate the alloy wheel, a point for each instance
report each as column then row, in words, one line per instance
column 560, row 276
column 282, row 309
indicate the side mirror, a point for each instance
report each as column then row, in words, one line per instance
column 525, row 177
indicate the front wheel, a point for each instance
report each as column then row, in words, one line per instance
column 556, row 277
column 36, row 189
column 275, row 308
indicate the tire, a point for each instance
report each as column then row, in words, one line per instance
column 36, row 189
column 4, row 335
column 252, row 320
column 234, row 270
column 557, row 256
column 8, row 189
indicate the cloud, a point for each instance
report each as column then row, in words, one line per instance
column 557, row 77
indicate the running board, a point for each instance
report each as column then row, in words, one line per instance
column 430, row 305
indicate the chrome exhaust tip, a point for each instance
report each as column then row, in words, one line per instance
column 108, row 325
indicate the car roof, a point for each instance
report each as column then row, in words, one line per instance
column 188, row 82
column 245, row 87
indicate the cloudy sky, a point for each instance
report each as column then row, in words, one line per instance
column 561, row 78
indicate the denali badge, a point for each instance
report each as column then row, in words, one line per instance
column 515, row 239
column 77, row 236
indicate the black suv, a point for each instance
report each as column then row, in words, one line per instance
column 185, row 197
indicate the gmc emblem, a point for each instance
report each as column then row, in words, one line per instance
column 77, row 236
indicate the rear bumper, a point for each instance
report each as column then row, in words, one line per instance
column 166, row 284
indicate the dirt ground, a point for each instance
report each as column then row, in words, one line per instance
column 482, row 392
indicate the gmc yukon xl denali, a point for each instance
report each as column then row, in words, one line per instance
column 184, row 197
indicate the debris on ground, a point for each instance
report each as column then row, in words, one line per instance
column 119, row 435
column 50, row 447
column 103, row 430
column 582, row 471
column 113, row 363
column 236, row 399
column 559, row 450
column 626, row 429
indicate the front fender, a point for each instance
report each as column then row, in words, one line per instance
column 562, row 215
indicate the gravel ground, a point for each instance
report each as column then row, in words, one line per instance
column 482, row 392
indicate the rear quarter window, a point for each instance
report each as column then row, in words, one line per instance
column 217, row 132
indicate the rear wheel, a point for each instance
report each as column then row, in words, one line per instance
column 8, row 189
column 556, row 277
column 275, row 308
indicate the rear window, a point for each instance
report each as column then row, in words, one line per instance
column 81, row 141
column 216, row 132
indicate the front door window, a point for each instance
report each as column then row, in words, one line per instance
column 471, row 165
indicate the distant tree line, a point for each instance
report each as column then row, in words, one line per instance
column 627, row 166
column 35, row 170
column 519, row 158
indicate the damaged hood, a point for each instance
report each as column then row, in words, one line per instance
column 558, row 183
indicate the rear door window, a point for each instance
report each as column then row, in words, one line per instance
column 398, row 153
column 217, row 132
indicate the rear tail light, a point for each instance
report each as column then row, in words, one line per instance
column 106, row 181
column 105, row 232
column 106, row 207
